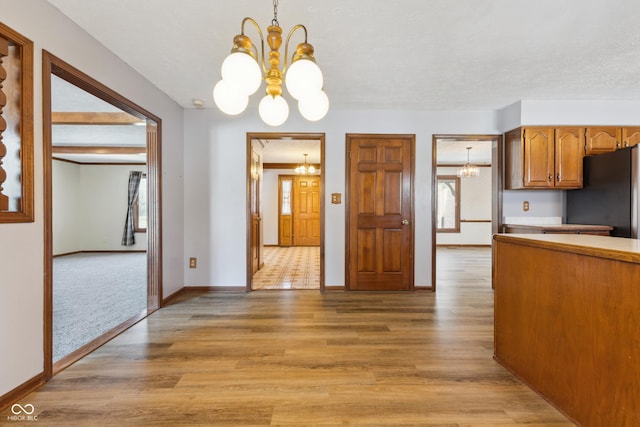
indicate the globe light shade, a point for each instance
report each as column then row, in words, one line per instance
column 229, row 99
column 242, row 70
column 315, row 106
column 273, row 110
column 303, row 78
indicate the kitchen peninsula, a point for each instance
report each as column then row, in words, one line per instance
column 567, row 321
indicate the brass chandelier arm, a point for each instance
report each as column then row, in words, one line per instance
column 257, row 27
column 286, row 45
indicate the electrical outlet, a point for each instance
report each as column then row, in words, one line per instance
column 193, row 262
column 525, row 206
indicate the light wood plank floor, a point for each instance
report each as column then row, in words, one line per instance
column 305, row 359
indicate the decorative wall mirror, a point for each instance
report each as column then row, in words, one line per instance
column 16, row 127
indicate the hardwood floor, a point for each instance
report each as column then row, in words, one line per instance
column 305, row 359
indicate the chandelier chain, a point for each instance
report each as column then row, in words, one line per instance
column 274, row 21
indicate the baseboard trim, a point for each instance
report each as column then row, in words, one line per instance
column 215, row 289
column 334, row 287
column 99, row 251
column 173, row 297
column 462, row 246
column 21, row 391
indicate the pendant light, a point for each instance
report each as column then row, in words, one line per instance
column 468, row 170
column 305, row 168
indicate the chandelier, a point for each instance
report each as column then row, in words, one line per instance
column 244, row 69
column 305, row 168
column 468, row 170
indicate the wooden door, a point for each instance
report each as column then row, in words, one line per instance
column 601, row 140
column 569, row 151
column 255, row 212
column 306, row 212
column 538, row 157
column 380, row 212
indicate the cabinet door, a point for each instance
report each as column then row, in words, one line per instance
column 569, row 147
column 602, row 139
column 630, row 136
column 538, row 157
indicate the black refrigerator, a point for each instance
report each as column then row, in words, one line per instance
column 610, row 193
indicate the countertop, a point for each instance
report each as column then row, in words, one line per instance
column 562, row 227
column 619, row 248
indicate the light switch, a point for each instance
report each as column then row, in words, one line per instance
column 336, row 198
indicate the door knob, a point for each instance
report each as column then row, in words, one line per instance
column 405, row 222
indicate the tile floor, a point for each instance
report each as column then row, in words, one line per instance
column 293, row 267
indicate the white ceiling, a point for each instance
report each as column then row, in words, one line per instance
column 399, row 55
column 403, row 54
column 290, row 151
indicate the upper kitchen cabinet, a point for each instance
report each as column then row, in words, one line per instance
column 602, row 139
column 630, row 136
column 544, row 158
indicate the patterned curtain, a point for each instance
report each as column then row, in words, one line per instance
column 128, row 237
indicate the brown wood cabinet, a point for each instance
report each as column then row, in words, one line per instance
column 599, row 140
column 630, row 136
column 565, row 322
column 544, row 157
column 604, row 139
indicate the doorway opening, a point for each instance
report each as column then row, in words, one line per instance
column 285, row 211
column 97, row 143
column 466, row 211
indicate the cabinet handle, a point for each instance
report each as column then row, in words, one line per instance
column 550, row 177
column 558, row 177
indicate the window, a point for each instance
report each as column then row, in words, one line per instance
column 448, row 204
column 16, row 127
column 285, row 191
column 140, row 207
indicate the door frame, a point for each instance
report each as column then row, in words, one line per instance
column 497, row 167
column 52, row 65
column 320, row 137
column 347, row 197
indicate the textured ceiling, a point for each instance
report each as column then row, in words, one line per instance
column 403, row 54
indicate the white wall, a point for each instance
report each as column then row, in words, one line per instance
column 215, row 150
column 89, row 207
column 67, row 224
column 22, row 245
column 475, row 204
column 270, row 204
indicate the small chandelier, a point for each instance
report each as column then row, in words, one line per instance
column 468, row 170
column 305, row 168
column 242, row 77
